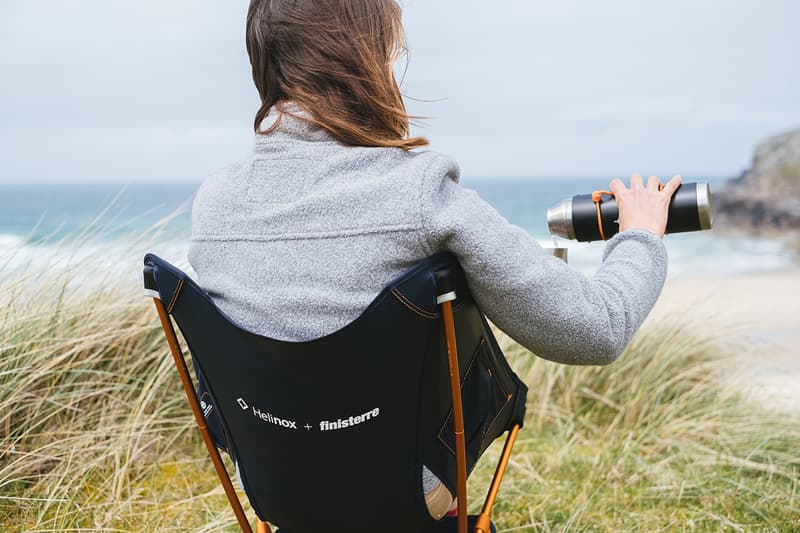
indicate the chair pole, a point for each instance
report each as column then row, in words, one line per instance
column 458, row 414
column 483, row 524
column 200, row 420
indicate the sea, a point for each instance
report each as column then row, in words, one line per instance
column 111, row 226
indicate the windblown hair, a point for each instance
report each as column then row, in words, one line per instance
column 335, row 60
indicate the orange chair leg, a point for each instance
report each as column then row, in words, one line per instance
column 200, row 420
column 262, row 527
column 458, row 415
column 483, row 524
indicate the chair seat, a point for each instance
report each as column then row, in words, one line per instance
column 445, row 525
column 385, row 411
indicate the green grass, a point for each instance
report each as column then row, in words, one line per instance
column 95, row 433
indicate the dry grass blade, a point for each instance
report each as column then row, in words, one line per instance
column 95, row 434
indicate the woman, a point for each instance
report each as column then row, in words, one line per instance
column 297, row 240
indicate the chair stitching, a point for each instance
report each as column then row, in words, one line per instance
column 499, row 411
column 427, row 314
column 450, row 412
column 175, row 296
column 412, row 307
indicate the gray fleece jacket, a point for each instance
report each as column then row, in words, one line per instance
column 296, row 241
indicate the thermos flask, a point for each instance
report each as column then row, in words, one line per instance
column 593, row 217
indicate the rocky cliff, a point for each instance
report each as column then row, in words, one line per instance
column 765, row 199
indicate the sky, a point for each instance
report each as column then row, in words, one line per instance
column 154, row 91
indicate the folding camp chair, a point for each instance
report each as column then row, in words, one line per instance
column 331, row 434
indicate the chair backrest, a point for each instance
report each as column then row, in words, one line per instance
column 340, row 426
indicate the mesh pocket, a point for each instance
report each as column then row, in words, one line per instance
column 484, row 399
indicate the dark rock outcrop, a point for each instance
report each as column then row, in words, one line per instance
column 765, row 199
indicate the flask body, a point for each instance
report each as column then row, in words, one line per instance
column 583, row 219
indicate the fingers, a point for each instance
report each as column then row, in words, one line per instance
column 672, row 185
column 652, row 183
column 617, row 186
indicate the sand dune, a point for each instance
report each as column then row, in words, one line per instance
column 758, row 317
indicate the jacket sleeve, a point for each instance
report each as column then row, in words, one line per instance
column 538, row 300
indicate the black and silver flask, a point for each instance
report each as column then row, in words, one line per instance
column 593, row 217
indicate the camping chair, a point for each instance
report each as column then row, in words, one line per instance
column 331, row 434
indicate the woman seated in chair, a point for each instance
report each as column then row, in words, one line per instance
column 337, row 200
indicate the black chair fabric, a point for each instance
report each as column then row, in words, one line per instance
column 446, row 525
column 336, row 430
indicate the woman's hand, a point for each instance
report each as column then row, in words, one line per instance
column 644, row 208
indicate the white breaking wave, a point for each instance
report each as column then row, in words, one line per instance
column 695, row 255
column 119, row 260
column 88, row 264
column 9, row 241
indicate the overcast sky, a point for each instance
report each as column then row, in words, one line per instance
column 154, row 90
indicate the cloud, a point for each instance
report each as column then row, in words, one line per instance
column 719, row 116
column 643, row 109
column 162, row 89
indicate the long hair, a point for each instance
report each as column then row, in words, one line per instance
column 335, row 60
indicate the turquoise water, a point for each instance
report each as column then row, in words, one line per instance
column 36, row 212
column 35, row 218
column 43, row 213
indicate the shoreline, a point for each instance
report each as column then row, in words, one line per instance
column 756, row 317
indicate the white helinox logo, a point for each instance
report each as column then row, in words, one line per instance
column 268, row 417
column 324, row 425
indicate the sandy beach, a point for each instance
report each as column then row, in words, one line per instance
column 758, row 319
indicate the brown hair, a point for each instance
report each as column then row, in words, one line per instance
column 335, row 60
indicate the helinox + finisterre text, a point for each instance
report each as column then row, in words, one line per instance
column 324, row 425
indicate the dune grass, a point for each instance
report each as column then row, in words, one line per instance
column 95, row 433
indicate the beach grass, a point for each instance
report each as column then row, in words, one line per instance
column 96, row 435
